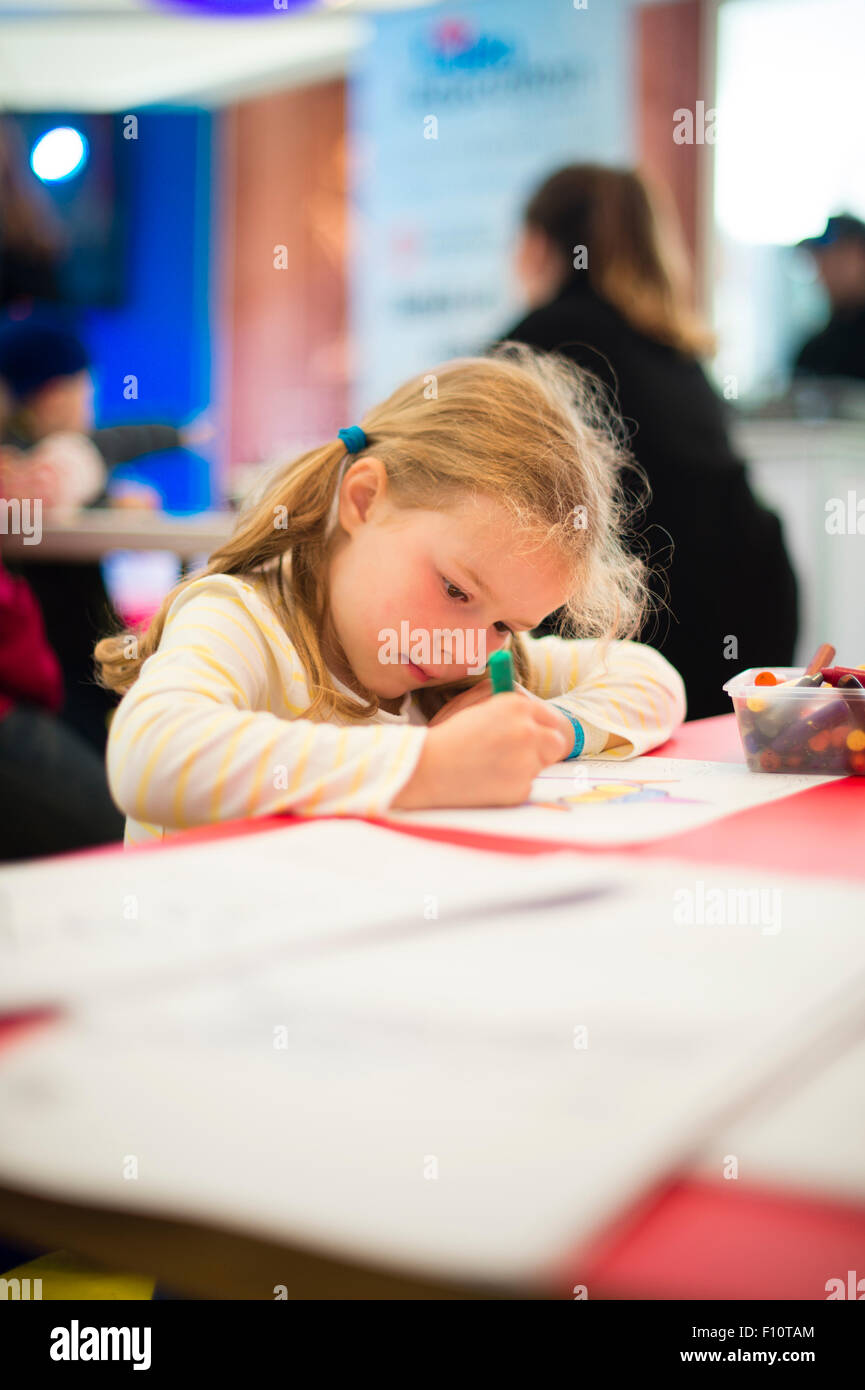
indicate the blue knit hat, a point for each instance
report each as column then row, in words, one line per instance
column 32, row 354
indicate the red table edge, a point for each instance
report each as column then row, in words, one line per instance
column 693, row 1238
column 819, row 830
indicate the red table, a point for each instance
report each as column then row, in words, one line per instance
column 693, row 1239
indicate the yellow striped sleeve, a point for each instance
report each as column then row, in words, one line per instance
column 195, row 740
column 619, row 688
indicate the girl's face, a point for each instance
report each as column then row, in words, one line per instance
column 425, row 597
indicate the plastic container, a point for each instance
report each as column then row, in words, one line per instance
column 794, row 728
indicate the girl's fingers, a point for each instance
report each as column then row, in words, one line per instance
column 464, row 700
column 551, row 720
column 559, row 747
column 544, row 715
column 481, row 691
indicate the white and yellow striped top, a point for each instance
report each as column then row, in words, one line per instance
column 214, row 727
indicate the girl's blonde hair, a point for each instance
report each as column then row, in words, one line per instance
column 529, row 429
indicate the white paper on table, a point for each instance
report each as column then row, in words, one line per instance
column 809, row 1138
column 451, row 1052
column 612, row 802
column 74, row 926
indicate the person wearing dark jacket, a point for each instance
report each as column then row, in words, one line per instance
column 53, row 790
column 838, row 350
column 46, row 374
column 606, row 280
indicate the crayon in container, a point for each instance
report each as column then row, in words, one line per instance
column 799, row 725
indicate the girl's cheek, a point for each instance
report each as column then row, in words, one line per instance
column 424, row 618
column 427, row 607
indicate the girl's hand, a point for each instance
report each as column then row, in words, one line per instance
column 483, row 691
column 485, row 756
column 466, row 698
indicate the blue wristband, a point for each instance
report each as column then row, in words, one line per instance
column 579, row 735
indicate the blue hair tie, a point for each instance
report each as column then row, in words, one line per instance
column 353, row 438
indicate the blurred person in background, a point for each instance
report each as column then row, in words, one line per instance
column 53, row 789
column 47, row 374
column 31, row 242
column 838, row 350
column 602, row 264
column 49, row 449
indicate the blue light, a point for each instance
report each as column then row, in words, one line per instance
column 58, row 154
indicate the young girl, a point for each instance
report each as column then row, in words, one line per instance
column 330, row 659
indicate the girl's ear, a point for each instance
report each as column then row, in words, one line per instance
column 364, row 485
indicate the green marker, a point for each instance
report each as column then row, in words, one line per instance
column 500, row 669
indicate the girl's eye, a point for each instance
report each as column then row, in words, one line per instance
column 454, row 592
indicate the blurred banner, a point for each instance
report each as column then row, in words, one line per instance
column 456, row 114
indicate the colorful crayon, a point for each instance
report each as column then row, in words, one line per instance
column 819, row 720
column 833, row 674
column 771, row 720
column 849, row 687
column 824, row 733
column 770, row 761
column 823, row 656
column 500, row 669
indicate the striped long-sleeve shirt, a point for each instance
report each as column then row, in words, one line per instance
column 215, row 728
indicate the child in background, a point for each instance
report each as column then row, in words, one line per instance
column 328, row 659
column 48, row 390
column 49, row 450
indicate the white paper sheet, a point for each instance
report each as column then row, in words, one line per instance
column 808, row 1136
column 76, row 926
column 602, row 801
column 421, row 1103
